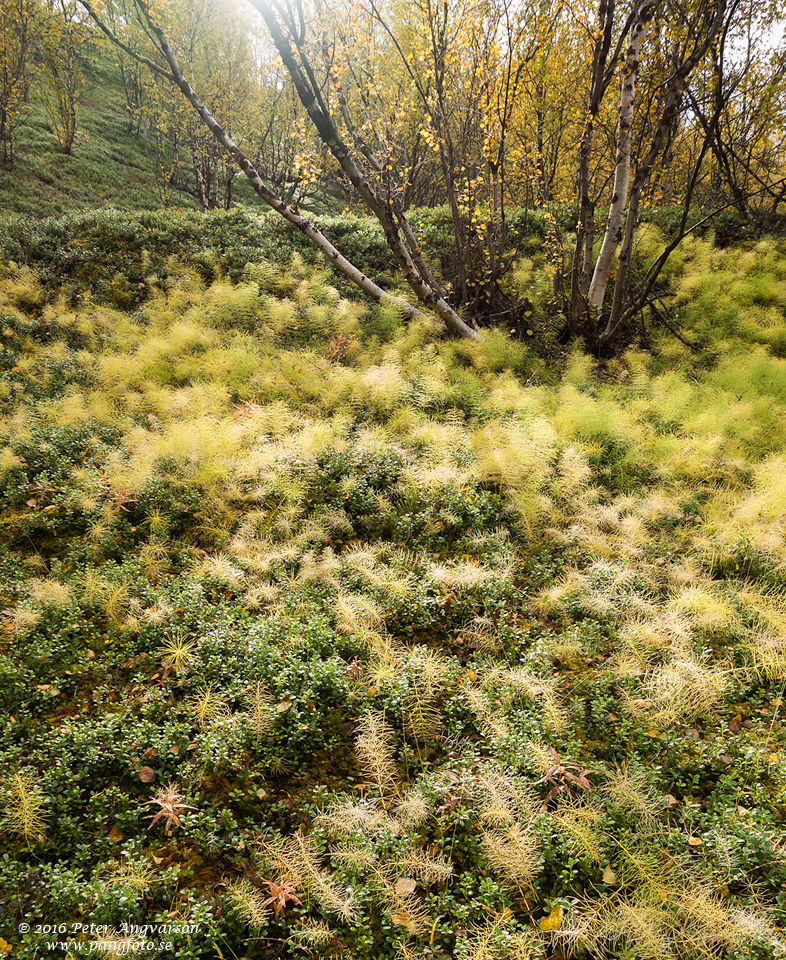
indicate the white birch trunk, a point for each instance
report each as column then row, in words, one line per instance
column 613, row 234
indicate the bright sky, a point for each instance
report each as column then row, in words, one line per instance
column 776, row 33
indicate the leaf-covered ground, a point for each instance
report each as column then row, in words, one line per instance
column 324, row 636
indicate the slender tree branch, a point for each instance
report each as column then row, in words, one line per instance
column 150, row 64
column 661, row 317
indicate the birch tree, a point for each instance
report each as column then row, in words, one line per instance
column 287, row 30
column 700, row 32
column 741, row 110
column 686, row 32
column 607, row 43
column 173, row 73
column 119, row 16
column 63, row 37
column 619, row 197
column 19, row 27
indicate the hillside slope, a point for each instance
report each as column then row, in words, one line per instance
column 108, row 165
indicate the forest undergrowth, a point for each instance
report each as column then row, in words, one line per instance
column 324, row 636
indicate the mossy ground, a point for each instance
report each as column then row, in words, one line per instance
column 433, row 650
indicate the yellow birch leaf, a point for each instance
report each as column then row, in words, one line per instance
column 554, row 920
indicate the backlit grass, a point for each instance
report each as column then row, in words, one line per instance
column 433, row 650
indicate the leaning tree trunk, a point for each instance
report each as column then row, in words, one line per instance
column 175, row 75
column 310, row 95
